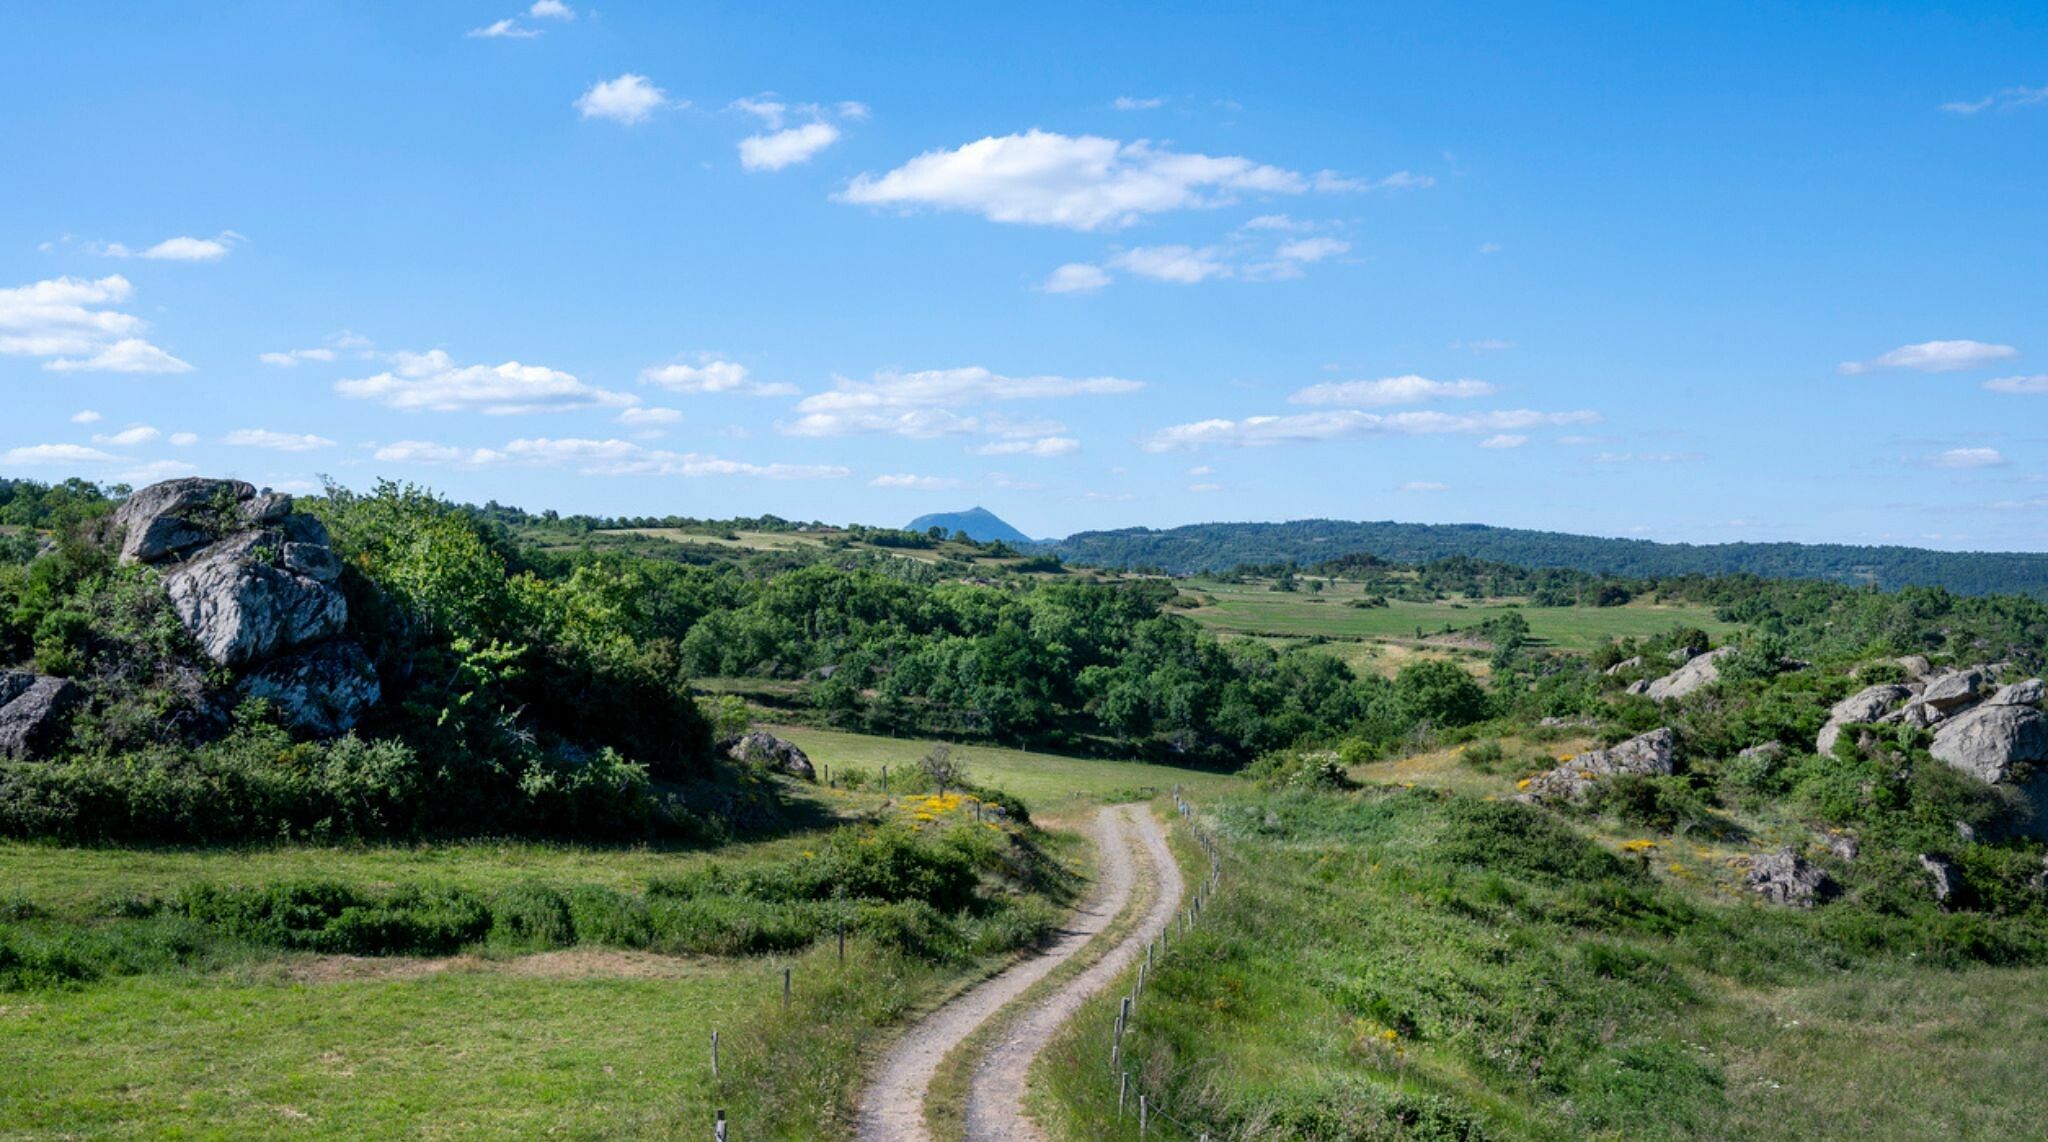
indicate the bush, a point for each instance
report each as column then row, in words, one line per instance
column 1510, row 837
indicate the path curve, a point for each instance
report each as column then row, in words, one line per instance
column 995, row 1108
column 892, row 1108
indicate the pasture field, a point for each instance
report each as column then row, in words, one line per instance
column 1255, row 609
column 1044, row 781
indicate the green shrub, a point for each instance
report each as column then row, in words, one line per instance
column 532, row 916
column 1511, row 837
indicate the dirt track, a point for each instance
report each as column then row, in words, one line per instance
column 892, row 1108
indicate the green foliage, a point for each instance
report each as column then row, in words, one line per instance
column 1440, row 694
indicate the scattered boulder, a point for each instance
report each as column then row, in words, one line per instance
column 1916, row 666
column 1919, row 715
column 1942, row 874
column 1766, row 751
column 1626, row 664
column 34, row 711
column 1639, row 686
column 2027, row 693
column 1842, row 845
column 1681, row 656
column 1866, row 705
column 1697, row 674
column 167, row 518
column 1785, row 877
column 323, row 691
column 1954, row 690
column 758, row 748
column 1647, row 754
column 1987, row 742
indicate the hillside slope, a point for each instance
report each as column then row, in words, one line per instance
column 1216, row 546
column 980, row 523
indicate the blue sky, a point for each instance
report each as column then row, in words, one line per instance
column 1758, row 272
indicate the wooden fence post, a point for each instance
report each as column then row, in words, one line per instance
column 718, row 1128
column 1144, row 1115
column 785, row 989
column 1123, row 1092
column 842, row 939
column 714, row 1052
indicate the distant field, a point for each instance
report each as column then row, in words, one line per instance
column 1253, row 608
column 1043, row 780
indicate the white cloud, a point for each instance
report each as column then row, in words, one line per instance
column 622, row 458
column 918, row 483
column 1201, row 470
column 1076, row 277
column 649, row 417
column 713, row 376
column 128, row 355
column 2005, row 100
column 1313, row 249
column 919, row 404
column 770, row 111
column 2034, row 384
column 1305, row 428
column 1424, row 486
column 1409, row 389
column 1966, row 458
column 1487, row 345
column 1182, row 265
column 502, row 30
column 1645, row 457
column 275, row 441
column 1504, row 440
column 192, row 249
column 1043, row 446
column 551, row 10
column 627, row 99
column 430, row 452
column 1933, row 357
column 786, row 148
column 1080, row 182
column 128, row 437
column 1134, row 103
column 1399, row 180
column 1281, row 222
column 184, row 439
column 433, row 382
column 51, row 454
column 291, row 357
column 852, row 109
column 85, row 416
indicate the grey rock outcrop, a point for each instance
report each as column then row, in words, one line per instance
column 1989, row 741
column 758, row 748
column 253, row 581
column 1942, row 875
column 1866, row 705
column 1648, row 755
column 1956, row 689
column 1785, row 877
column 2027, row 693
column 323, row 691
column 34, row 711
column 1916, row 666
column 1697, row 674
column 1626, row 664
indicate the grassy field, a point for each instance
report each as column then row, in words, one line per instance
column 1254, row 609
column 1042, row 780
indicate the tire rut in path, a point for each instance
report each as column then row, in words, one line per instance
column 892, row 1107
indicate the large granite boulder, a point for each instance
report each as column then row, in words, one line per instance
column 169, row 518
column 323, row 691
column 1988, row 741
column 758, row 748
column 1697, row 674
column 2027, row 693
column 1648, row 755
column 1956, row 689
column 34, row 711
column 244, row 604
column 1785, row 877
column 1866, row 705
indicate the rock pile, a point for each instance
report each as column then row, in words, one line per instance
column 758, row 748
column 254, row 583
column 33, row 712
column 1984, row 729
column 1698, row 673
column 1647, row 754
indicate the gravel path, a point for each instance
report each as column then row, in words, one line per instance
column 892, row 1108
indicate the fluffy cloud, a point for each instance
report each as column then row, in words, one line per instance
column 128, row 437
column 1043, row 446
column 786, row 148
column 2005, row 100
column 76, row 457
column 1313, row 249
column 128, row 355
column 1933, row 357
column 551, row 10
column 1182, row 265
column 430, row 452
column 184, row 439
column 65, row 318
column 920, row 404
column 1076, row 277
column 2034, row 384
column 1644, row 457
column 627, row 99
column 1306, row 428
column 1409, row 389
column 85, row 416
column 433, row 382
column 1966, row 458
column 918, row 483
column 291, row 357
column 713, row 376
column 600, row 458
column 1079, row 182
column 275, row 441
column 1134, row 103
column 502, row 30
column 649, row 417
column 192, row 249
column 1504, row 440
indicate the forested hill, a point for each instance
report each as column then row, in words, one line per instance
column 1217, row 546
